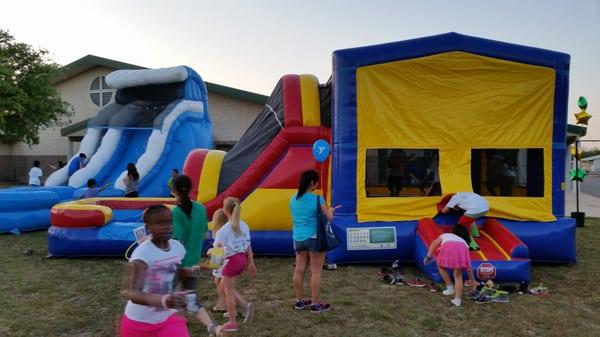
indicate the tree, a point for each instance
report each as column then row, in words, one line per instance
column 591, row 152
column 28, row 100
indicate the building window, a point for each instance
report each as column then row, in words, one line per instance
column 508, row 172
column 402, row 173
column 100, row 92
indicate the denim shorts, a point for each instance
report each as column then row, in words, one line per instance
column 309, row 244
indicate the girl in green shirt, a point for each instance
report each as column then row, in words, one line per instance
column 190, row 226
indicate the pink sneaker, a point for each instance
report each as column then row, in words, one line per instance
column 230, row 327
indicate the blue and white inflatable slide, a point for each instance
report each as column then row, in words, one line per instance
column 158, row 117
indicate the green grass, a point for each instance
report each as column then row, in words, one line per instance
column 80, row 297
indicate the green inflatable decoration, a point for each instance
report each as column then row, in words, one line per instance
column 582, row 103
column 577, row 175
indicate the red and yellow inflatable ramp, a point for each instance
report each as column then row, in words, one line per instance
column 502, row 256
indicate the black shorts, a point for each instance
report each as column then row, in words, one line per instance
column 309, row 244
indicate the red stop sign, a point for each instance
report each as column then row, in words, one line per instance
column 486, row 271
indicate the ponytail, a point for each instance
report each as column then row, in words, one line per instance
column 462, row 232
column 232, row 206
column 132, row 172
column 182, row 185
column 307, row 177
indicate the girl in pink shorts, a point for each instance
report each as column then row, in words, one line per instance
column 234, row 237
column 453, row 254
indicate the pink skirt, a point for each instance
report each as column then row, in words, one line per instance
column 174, row 326
column 454, row 255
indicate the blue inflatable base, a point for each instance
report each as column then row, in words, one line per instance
column 110, row 240
column 23, row 221
column 547, row 241
column 28, row 208
column 272, row 243
column 405, row 233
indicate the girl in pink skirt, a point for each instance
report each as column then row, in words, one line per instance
column 453, row 254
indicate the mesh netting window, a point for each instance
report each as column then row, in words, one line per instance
column 402, row 173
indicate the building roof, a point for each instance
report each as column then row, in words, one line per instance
column 91, row 61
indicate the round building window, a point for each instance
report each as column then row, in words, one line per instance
column 100, row 92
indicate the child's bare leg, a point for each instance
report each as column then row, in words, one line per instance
column 228, row 284
column 472, row 278
column 458, row 283
column 240, row 299
column 445, row 276
column 204, row 317
column 221, row 303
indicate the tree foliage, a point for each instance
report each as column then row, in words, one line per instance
column 590, row 153
column 29, row 101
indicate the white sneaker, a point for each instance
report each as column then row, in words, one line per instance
column 449, row 291
column 456, row 301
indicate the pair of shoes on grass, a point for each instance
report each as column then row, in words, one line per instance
column 314, row 308
column 539, row 290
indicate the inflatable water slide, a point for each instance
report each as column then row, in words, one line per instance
column 158, row 117
column 262, row 170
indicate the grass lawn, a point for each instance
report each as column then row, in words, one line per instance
column 80, row 297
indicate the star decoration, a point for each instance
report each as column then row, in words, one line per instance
column 583, row 117
column 577, row 174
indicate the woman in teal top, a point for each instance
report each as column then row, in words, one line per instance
column 303, row 207
column 190, row 226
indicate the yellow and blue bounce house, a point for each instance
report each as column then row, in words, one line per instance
column 418, row 120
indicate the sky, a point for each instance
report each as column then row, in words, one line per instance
column 250, row 44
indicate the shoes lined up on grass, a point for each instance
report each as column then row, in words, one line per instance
column 489, row 295
column 392, row 275
column 539, row 290
column 314, row 308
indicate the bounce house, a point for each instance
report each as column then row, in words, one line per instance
column 409, row 122
column 158, row 117
column 461, row 101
